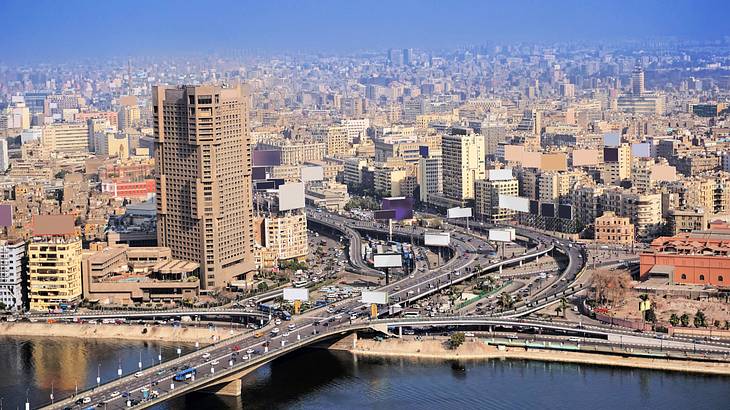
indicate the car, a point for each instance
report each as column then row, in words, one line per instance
column 573, row 339
column 285, row 334
column 353, row 317
column 469, row 334
column 275, row 331
column 258, row 335
column 138, row 374
column 206, row 356
column 338, row 317
column 277, row 322
column 214, row 362
column 115, row 394
column 250, row 351
column 292, row 326
column 512, row 337
column 86, row 400
column 235, row 348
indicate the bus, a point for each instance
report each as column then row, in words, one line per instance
column 184, row 374
column 300, row 283
column 411, row 313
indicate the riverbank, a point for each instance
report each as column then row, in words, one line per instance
column 201, row 335
column 477, row 350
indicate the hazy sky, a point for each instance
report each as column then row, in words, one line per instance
column 53, row 29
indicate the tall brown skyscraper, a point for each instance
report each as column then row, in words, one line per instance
column 203, row 163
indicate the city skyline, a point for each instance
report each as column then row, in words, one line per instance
column 62, row 31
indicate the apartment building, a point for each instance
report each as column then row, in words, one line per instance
column 12, row 272
column 486, row 199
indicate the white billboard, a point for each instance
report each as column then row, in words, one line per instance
column 612, row 139
column 458, row 212
column 378, row 298
column 312, row 173
column 291, row 196
column 500, row 174
column 436, row 238
column 292, row 294
column 516, row 203
column 502, row 235
column 387, row 260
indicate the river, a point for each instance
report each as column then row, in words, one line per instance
column 321, row 379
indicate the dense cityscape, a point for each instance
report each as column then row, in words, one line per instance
column 223, row 216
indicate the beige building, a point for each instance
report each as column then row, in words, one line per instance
column 294, row 153
column 463, row 163
column 111, row 144
column 555, row 185
column 612, row 173
column 122, row 275
column 54, row 263
column 683, row 221
column 486, row 199
column 204, row 204
column 612, row 229
column 286, row 236
column 69, row 137
column 390, row 179
column 335, row 139
column 644, row 210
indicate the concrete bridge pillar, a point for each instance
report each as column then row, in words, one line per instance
column 231, row 388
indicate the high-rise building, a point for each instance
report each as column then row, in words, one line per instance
column 463, row 163
column 430, row 176
column 12, row 252
column 487, row 199
column 4, row 158
column 204, row 204
column 408, row 56
column 637, row 81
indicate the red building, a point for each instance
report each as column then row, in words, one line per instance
column 695, row 258
column 141, row 190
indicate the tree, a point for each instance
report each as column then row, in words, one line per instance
column 505, row 301
column 700, row 320
column 3, row 306
column 674, row 319
column 456, row 340
column 263, row 286
column 650, row 316
column 684, row 319
column 610, row 287
column 563, row 305
column 558, row 309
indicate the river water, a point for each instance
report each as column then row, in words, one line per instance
column 321, row 379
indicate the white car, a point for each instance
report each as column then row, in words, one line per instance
column 275, row 330
column 277, row 322
column 573, row 339
column 206, row 355
column 115, row 394
column 292, row 326
column 214, row 362
column 86, row 400
column 250, row 351
column 138, row 374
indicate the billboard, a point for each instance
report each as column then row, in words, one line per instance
column 610, row 154
column 6, row 215
column 258, row 173
column 531, row 159
column 547, row 210
column 500, row 174
column 437, row 238
column 53, row 225
column 423, row 151
column 641, row 150
column 378, row 298
column 663, row 173
column 611, row 139
column 384, row 215
column 402, row 206
column 555, row 161
column 312, row 173
column 458, row 212
column 565, row 211
column 513, row 153
column 387, row 260
column 502, row 235
column 585, row 157
column 516, row 203
column 266, row 158
column 534, row 207
column 291, row 196
column 292, row 294
column 263, row 185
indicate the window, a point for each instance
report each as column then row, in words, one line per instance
column 684, row 276
column 702, row 277
column 720, row 278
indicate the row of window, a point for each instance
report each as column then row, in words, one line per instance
column 702, row 277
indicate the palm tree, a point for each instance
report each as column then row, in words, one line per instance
column 563, row 305
column 558, row 309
